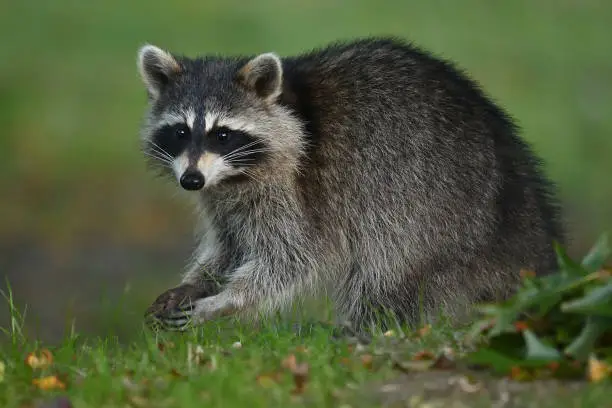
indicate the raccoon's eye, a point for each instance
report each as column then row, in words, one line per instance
column 181, row 132
column 222, row 135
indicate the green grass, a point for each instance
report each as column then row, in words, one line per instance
column 206, row 367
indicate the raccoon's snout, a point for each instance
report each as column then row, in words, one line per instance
column 192, row 180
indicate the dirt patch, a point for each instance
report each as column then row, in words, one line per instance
column 473, row 389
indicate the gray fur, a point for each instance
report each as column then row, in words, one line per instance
column 391, row 181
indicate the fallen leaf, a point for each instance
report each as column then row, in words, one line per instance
column 423, row 355
column 345, row 361
column 299, row 372
column 138, row 401
column 49, row 383
column 40, row 360
column 411, row 366
column 300, row 378
column 301, row 349
column 423, row 331
column 553, row 366
column 174, row 373
column 469, row 385
column 389, row 333
column 195, row 355
column 444, row 362
column 597, row 369
column 268, row 380
column 290, row 362
column 520, row 326
column 129, row 383
column 163, row 346
column 527, row 274
column 366, row 361
column 519, row 374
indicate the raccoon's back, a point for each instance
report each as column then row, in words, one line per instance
column 404, row 140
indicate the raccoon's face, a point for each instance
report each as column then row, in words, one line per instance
column 211, row 121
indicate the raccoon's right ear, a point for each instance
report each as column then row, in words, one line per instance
column 156, row 67
column 263, row 75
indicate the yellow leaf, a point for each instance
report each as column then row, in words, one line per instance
column 2, row 371
column 268, row 380
column 423, row 331
column 597, row 370
column 49, row 383
column 40, row 360
column 366, row 361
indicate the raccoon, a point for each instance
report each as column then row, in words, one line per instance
column 370, row 170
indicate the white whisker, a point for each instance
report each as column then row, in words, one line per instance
column 160, row 150
column 233, row 152
column 248, row 152
column 163, row 161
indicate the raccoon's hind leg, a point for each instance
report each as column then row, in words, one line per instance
column 372, row 297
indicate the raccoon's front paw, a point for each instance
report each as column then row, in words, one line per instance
column 172, row 309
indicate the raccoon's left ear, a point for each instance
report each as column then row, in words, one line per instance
column 263, row 75
column 156, row 68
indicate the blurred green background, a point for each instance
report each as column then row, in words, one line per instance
column 87, row 233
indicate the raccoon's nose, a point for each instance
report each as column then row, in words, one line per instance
column 192, row 180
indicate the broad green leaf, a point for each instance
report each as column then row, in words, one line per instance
column 582, row 346
column 494, row 359
column 537, row 350
column 597, row 256
column 597, row 301
column 567, row 265
column 509, row 344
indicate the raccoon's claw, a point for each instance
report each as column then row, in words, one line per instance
column 172, row 309
column 175, row 322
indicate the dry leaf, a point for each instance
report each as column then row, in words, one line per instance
column 139, row 402
column 423, row 355
column 174, row 373
column 366, row 361
column 299, row 372
column 49, row 383
column 300, row 377
column 553, row 366
column 195, row 355
column 597, row 369
column 444, row 362
column 525, row 273
column 129, row 383
column 345, row 361
column 468, row 385
column 521, row 326
column 519, row 374
column 423, row 331
column 301, row 349
column 40, row 360
column 410, row 366
column 268, row 380
column 163, row 346
column 290, row 362
column 389, row 333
